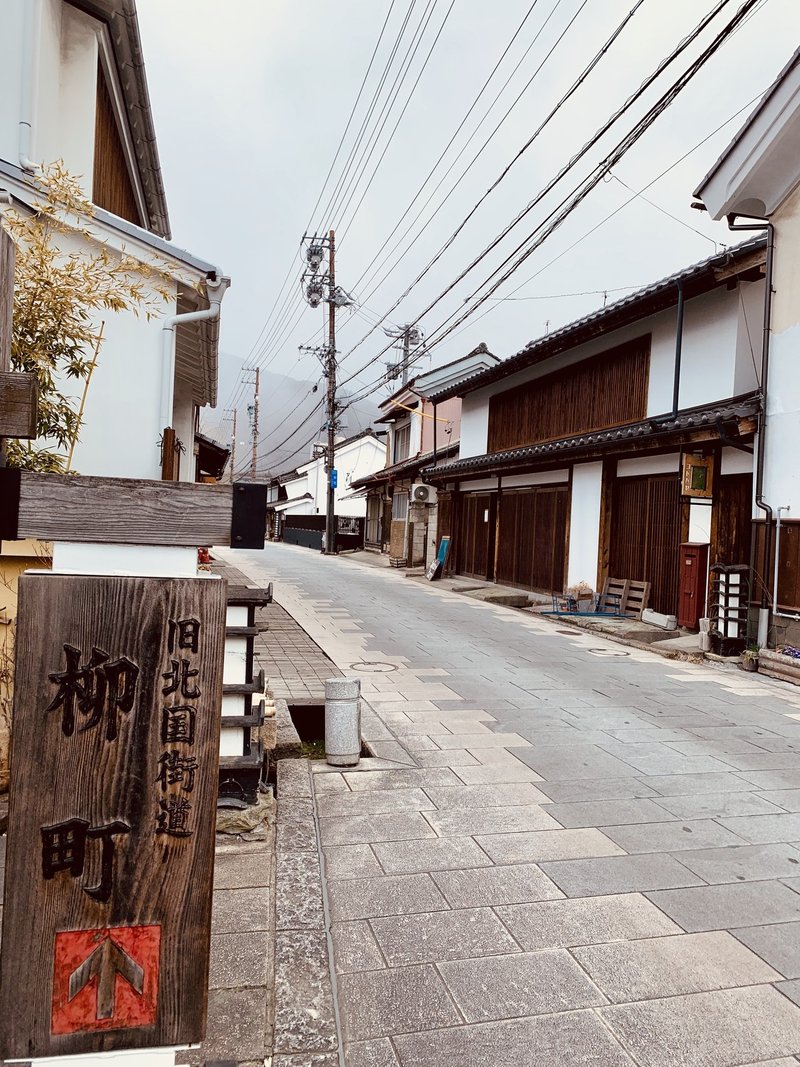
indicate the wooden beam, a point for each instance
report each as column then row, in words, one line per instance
column 19, row 404
column 59, row 507
column 755, row 259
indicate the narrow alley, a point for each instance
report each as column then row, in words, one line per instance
column 563, row 850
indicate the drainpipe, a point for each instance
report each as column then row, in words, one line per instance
column 31, row 47
column 216, row 291
column 434, row 433
column 780, row 614
column 761, row 504
column 676, row 382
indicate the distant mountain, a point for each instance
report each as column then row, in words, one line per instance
column 291, row 417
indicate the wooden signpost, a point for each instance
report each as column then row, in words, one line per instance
column 107, row 916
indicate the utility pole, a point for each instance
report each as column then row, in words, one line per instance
column 230, row 416
column 330, row 517
column 408, row 336
column 406, row 351
column 252, row 411
column 315, row 285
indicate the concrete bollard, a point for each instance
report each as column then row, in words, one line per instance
column 343, row 721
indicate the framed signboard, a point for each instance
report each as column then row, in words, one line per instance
column 698, row 476
column 436, row 568
column 109, row 867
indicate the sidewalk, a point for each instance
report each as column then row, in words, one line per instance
column 596, row 870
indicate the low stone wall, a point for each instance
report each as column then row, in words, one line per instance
column 776, row 665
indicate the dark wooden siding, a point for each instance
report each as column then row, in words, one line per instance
column 732, row 519
column 474, row 535
column 112, row 188
column 646, row 534
column 788, row 565
column 532, row 538
column 606, row 390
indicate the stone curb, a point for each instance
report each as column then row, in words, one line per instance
column 287, row 740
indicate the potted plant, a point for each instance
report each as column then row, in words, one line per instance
column 750, row 657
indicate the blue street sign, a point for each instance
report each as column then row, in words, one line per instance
column 334, row 478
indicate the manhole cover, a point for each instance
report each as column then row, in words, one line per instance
column 373, row 667
column 571, row 633
column 607, row 652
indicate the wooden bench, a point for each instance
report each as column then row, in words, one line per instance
column 623, row 596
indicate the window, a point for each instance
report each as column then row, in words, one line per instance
column 401, row 443
column 400, row 505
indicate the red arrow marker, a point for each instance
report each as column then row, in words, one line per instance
column 105, row 963
column 105, row 979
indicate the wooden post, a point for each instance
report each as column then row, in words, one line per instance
column 168, row 455
column 108, row 884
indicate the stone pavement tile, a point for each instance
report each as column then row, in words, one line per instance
column 690, row 784
column 668, row 966
column 329, row 782
column 355, row 947
column 585, row 921
column 321, row 1059
column 717, row 805
column 790, row 990
column 788, row 799
column 441, row 935
column 765, row 829
column 720, row 1029
column 592, row 789
column 487, row 796
column 607, row 812
column 778, row 944
column 496, row 774
column 370, row 1054
column 570, row 762
column 236, row 1019
column 298, row 892
column 653, row 766
column 394, row 751
column 763, row 761
column 363, row 898
column 547, row 845
column 461, row 822
column 373, row 802
column 304, row 1013
column 240, row 909
column 489, row 886
column 293, row 778
column 351, row 861
column 672, row 836
column 247, row 870
column 382, row 1003
column 483, row 741
column 528, row 983
column 295, row 826
column 453, row 757
column 352, row 829
column 731, row 906
column 239, row 961
column 780, row 779
column 576, row 1039
column 637, row 734
column 743, row 863
column 618, row 874
column 443, row 854
column 400, row 779
column 713, row 748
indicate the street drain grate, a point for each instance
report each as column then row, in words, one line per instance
column 607, row 652
column 571, row 633
column 373, row 667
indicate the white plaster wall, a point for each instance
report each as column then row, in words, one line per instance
column 513, row 481
column 644, row 465
column 749, row 337
column 415, row 445
column 46, row 134
column 72, row 139
column 474, row 423
column 782, row 471
column 700, row 522
column 734, row 461
column 11, row 33
column 584, row 529
column 479, row 485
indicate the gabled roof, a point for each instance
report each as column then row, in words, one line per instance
column 697, row 279
column 405, row 467
column 123, row 28
column 417, row 384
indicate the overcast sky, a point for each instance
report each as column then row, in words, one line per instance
column 251, row 99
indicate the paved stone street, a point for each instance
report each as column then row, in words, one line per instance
column 564, row 852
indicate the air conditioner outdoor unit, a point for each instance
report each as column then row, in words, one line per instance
column 423, row 494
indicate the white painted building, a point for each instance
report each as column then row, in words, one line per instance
column 307, row 487
column 757, row 180
column 573, row 452
column 73, row 87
